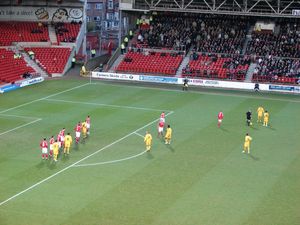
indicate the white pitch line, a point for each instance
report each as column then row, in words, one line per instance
column 106, row 105
column 17, row 116
column 40, row 99
column 112, row 161
column 139, row 135
column 24, row 125
column 68, row 167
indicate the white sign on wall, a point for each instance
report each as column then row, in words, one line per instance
column 55, row 14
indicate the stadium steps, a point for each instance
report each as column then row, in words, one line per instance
column 116, row 63
column 183, row 64
column 52, row 35
column 250, row 72
column 248, row 38
column 33, row 65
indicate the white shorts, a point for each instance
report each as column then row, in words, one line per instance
column 62, row 138
column 220, row 121
column 51, row 147
column 160, row 129
column 44, row 150
column 59, row 144
column 88, row 126
column 77, row 134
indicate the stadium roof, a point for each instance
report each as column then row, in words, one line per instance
column 42, row 3
column 271, row 8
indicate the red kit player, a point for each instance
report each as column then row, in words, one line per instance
column 160, row 128
column 162, row 117
column 51, row 141
column 77, row 132
column 44, row 147
column 220, row 118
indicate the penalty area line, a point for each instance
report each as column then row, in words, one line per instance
column 112, row 161
column 16, row 128
column 107, row 105
column 86, row 157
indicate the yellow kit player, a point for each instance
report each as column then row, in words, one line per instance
column 260, row 113
column 55, row 150
column 266, row 118
column 84, row 129
column 148, row 141
column 168, row 135
column 247, row 142
column 68, row 142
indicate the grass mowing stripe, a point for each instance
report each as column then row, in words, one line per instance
column 205, row 92
column 106, row 105
column 88, row 156
column 24, row 125
column 40, row 99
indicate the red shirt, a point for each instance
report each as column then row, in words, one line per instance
column 78, row 128
column 220, row 116
column 44, row 144
column 51, row 141
column 161, row 124
column 62, row 132
column 88, row 120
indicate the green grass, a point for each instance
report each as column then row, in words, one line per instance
column 201, row 179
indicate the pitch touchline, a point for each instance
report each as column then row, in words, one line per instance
column 116, row 160
column 40, row 99
column 106, row 105
column 203, row 92
column 88, row 156
column 24, row 125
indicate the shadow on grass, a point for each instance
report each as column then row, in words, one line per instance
column 41, row 164
column 272, row 128
column 65, row 158
column 52, row 165
column 223, row 129
column 253, row 157
column 149, row 155
column 170, row 148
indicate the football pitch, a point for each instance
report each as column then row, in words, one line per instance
column 202, row 178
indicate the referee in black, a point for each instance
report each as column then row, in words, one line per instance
column 185, row 84
column 248, row 117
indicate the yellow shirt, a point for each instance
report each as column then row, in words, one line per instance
column 266, row 116
column 260, row 110
column 148, row 138
column 169, row 133
column 248, row 139
column 55, row 148
column 68, row 139
column 84, row 128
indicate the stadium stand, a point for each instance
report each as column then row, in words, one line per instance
column 217, row 67
column 283, row 43
column 51, row 59
column 150, row 62
column 277, row 70
column 12, row 69
column 67, row 32
column 22, row 32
